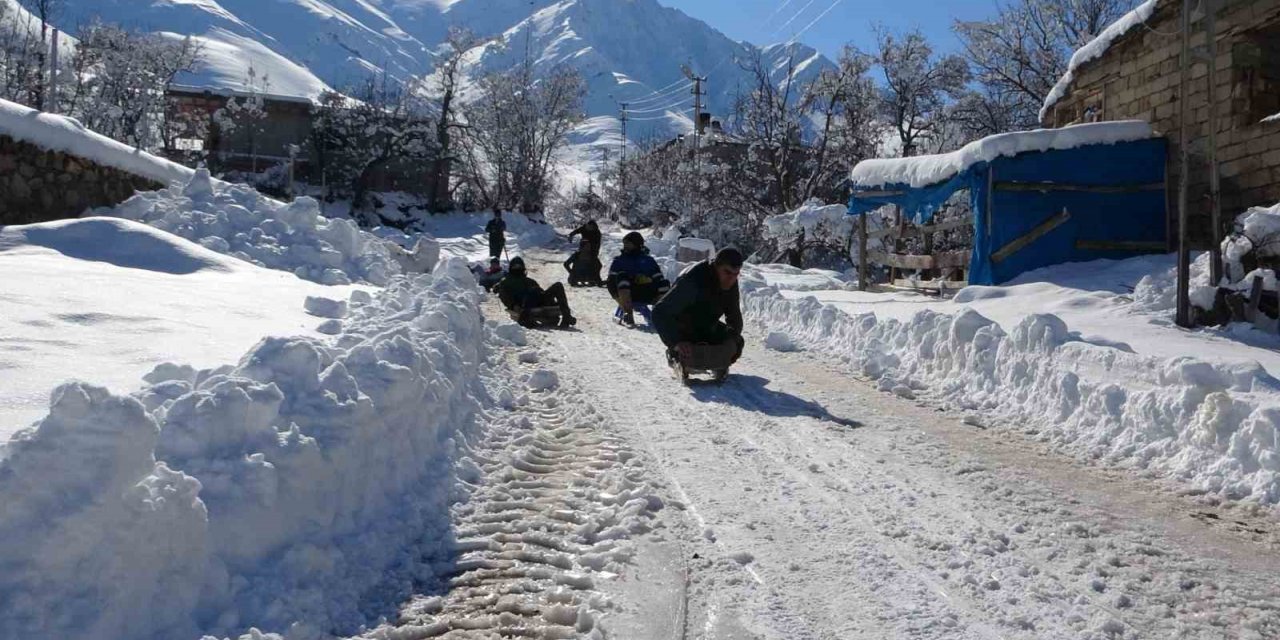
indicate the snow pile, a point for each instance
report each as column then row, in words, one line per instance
column 921, row 171
column 58, row 133
column 1214, row 425
column 1257, row 232
column 814, row 219
column 785, row 276
column 1095, row 48
column 1158, row 292
column 301, row 483
column 237, row 220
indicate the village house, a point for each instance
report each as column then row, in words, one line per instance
column 1133, row 72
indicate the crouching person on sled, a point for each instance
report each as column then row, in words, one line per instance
column 528, row 304
column 635, row 280
column 688, row 317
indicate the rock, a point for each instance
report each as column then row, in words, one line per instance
column 543, row 380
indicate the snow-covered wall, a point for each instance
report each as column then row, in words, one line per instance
column 301, row 483
column 1214, row 426
column 58, row 133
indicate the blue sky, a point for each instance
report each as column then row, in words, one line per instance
column 765, row 21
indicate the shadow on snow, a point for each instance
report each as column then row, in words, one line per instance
column 753, row 394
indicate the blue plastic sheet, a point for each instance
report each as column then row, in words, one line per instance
column 1001, row 216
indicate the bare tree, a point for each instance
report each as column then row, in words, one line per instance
column 445, row 87
column 917, row 86
column 46, row 10
column 1019, row 55
column 516, row 125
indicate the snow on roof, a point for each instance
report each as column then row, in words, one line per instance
column 921, row 171
column 1095, row 48
column 58, row 133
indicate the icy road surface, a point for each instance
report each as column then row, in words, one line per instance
column 816, row 507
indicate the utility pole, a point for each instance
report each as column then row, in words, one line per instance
column 53, row 75
column 1183, row 311
column 622, row 165
column 697, row 136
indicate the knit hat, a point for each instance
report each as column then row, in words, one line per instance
column 634, row 238
column 730, row 256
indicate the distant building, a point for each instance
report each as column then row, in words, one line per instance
column 1137, row 77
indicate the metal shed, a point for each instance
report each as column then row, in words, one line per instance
column 1034, row 208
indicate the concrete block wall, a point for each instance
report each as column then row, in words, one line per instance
column 37, row 185
column 1138, row 78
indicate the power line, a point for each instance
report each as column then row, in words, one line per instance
column 815, row 21
column 793, row 17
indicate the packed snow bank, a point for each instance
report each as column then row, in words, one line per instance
column 300, row 484
column 59, row 133
column 1257, row 232
column 106, row 299
column 921, row 171
column 814, row 219
column 1095, row 48
column 1213, row 425
column 236, row 220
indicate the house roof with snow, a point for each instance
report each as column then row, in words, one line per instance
column 921, row 171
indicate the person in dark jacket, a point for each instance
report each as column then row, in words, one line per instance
column 583, row 267
column 591, row 233
column 497, row 229
column 690, row 313
column 635, row 278
column 520, row 293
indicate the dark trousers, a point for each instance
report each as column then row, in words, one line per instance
column 554, row 296
column 496, row 244
column 715, row 334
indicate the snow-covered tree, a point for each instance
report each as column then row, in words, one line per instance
column 118, row 81
column 917, row 87
column 383, row 121
column 1018, row 55
column 516, row 125
column 242, row 116
column 21, row 56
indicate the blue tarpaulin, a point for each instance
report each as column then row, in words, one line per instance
column 1085, row 203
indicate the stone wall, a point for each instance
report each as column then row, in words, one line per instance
column 38, row 185
column 1138, row 78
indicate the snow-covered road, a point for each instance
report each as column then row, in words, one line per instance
column 809, row 505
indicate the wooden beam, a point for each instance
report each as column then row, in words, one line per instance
column 932, row 285
column 1045, row 187
column 1040, row 230
column 876, row 194
column 916, row 231
column 940, row 260
column 1134, row 246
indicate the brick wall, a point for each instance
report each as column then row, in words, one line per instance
column 1137, row 78
column 38, row 185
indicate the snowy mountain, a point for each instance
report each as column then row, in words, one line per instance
column 628, row 50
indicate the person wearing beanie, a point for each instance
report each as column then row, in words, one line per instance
column 522, row 295
column 635, row 279
column 690, row 313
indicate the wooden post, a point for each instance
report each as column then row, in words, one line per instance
column 897, row 241
column 862, row 251
column 928, row 250
column 1255, row 299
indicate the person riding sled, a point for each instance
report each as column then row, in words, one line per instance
column 590, row 232
column 583, row 266
column 525, row 298
column 497, row 229
column 635, row 279
column 687, row 319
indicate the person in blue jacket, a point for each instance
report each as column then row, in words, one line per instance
column 635, row 278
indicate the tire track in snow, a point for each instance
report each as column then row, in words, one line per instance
column 554, row 507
